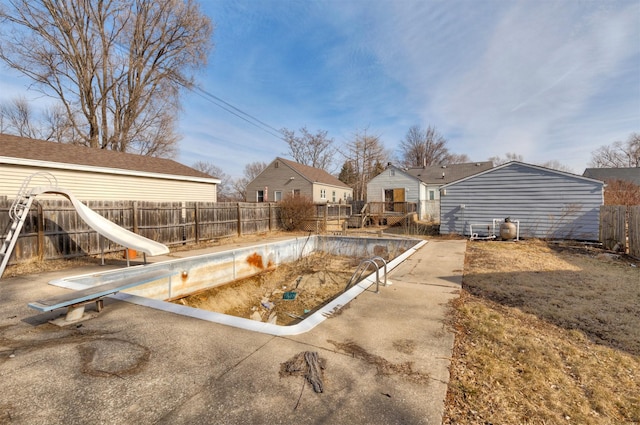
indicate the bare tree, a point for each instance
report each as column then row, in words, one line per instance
column 508, row 157
column 365, row 153
column 116, row 66
column 315, row 150
column 251, row 171
column 56, row 126
column 18, row 118
column 618, row 154
column 557, row 165
column 455, row 158
column 225, row 187
column 421, row 148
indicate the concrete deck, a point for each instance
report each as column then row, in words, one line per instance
column 387, row 357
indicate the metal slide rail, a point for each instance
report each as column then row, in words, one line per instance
column 18, row 213
column 363, row 267
column 25, row 191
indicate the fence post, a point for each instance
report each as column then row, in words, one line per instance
column 196, row 222
column 134, row 208
column 239, row 220
column 40, row 233
column 634, row 231
column 270, row 217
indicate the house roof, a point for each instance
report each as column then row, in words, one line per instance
column 606, row 174
column 509, row 164
column 22, row 148
column 314, row 175
column 444, row 174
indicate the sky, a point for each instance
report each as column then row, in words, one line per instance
column 545, row 79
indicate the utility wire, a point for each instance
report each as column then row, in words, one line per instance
column 223, row 104
column 237, row 112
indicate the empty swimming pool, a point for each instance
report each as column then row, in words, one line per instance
column 194, row 274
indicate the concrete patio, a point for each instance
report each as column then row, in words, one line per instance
column 386, row 358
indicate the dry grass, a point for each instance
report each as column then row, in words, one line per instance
column 36, row 266
column 545, row 334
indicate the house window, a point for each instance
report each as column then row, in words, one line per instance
column 296, row 193
column 432, row 195
column 277, row 164
column 277, row 196
column 323, row 194
column 333, row 196
column 260, row 196
column 392, row 173
column 345, row 196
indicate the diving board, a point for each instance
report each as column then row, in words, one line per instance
column 76, row 300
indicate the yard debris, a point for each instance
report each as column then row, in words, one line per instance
column 307, row 364
column 267, row 304
column 290, row 295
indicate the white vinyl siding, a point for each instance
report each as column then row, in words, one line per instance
column 396, row 179
column 87, row 185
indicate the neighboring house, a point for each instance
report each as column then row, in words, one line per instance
column 419, row 185
column 547, row 203
column 97, row 174
column 631, row 175
column 283, row 177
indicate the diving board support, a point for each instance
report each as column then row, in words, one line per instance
column 75, row 301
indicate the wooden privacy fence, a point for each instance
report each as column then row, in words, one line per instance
column 620, row 228
column 53, row 229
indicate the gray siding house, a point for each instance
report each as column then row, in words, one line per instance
column 631, row 175
column 420, row 185
column 97, row 174
column 547, row 203
column 283, row 177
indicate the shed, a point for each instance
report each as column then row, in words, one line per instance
column 419, row 185
column 547, row 203
column 97, row 174
column 282, row 177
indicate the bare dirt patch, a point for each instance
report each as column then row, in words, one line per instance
column 283, row 295
column 545, row 334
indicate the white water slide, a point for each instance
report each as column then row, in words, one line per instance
column 20, row 210
column 107, row 228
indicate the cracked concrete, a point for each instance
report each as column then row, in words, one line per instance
column 386, row 358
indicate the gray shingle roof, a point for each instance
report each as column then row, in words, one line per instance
column 434, row 174
column 606, row 174
column 24, row 148
column 313, row 174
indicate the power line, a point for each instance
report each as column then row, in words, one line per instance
column 223, row 104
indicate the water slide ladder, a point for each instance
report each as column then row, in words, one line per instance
column 18, row 213
column 364, row 266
